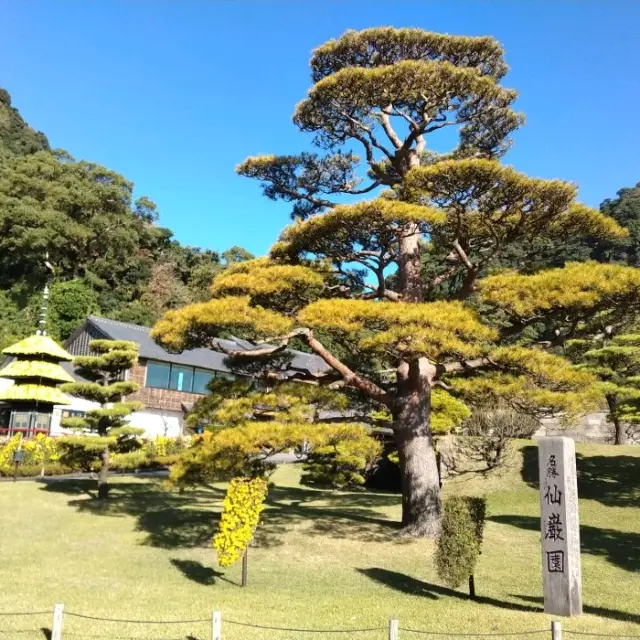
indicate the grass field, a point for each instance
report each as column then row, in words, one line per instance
column 321, row 560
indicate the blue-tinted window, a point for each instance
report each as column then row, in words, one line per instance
column 181, row 378
column 201, row 379
column 158, row 375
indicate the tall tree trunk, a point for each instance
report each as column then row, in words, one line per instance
column 421, row 506
column 618, row 427
column 103, row 476
column 411, row 286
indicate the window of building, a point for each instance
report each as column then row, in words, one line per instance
column 42, row 421
column 158, row 375
column 201, row 378
column 72, row 413
column 21, row 419
column 181, row 378
column 161, row 375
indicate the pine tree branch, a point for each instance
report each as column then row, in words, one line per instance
column 464, row 365
column 388, row 129
column 349, row 377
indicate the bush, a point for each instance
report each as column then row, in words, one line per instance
column 241, row 509
column 41, row 450
column 459, row 543
column 343, row 459
column 35, row 470
column 62, row 455
column 128, row 461
column 483, row 440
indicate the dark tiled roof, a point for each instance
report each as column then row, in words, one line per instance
column 203, row 358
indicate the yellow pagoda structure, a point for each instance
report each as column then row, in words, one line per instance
column 27, row 405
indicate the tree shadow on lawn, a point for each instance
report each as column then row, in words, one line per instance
column 342, row 515
column 603, row 612
column 198, row 572
column 189, row 519
column 619, row 547
column 170, row 519
column 612, row 480
column 413, row 586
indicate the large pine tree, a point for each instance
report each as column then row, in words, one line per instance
column 347, row 280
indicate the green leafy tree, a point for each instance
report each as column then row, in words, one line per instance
column 17, row 138
column 625, row 209
column 616, row 363
column 392, row 92
column 104, row 429
column 236, row 254
column 82, row 215
column 69, row 305
column 15, row 323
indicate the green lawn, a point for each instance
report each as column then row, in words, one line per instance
column 321, row 559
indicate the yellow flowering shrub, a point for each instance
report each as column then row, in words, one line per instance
column 241, row 509
column 38, row 451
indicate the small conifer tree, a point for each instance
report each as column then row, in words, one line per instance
column 460, row 541
column 104, row 429
column 616, row 363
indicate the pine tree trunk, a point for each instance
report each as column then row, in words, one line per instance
column 410, row 270
column 103, row 476
column 619, row 437
column 618, row 427
column 421, row 506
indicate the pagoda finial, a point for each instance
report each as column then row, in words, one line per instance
column 42, row 321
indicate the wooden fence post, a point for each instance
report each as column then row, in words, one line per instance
column 56, row 627
column 556, row 630
column 216, row 626
column 394, row 629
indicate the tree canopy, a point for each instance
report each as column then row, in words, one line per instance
column 352, row 281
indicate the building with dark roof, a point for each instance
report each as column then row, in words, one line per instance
column 169, row 382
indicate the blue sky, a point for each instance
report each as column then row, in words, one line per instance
column 174, row 94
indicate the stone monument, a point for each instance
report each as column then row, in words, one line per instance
column 560, row 527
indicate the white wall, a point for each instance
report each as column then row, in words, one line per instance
column 155, row 422
column 77, row 404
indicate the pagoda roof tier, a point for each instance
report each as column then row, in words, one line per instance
column 38, row 346
column 35, row 369
column 34, row 393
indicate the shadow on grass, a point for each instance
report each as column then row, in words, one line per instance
column 612, row 480
column 619, row 547
column 603, row 612
column 412, row 586
column 171, row 519
column 341, row 515
column 197, row 572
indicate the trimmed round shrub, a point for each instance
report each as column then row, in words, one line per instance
column 459, row 543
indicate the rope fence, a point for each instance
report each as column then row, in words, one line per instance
column 214, row 623
column 515, row 634
column 598, row 635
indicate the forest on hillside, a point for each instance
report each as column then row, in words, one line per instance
column 107, row 253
